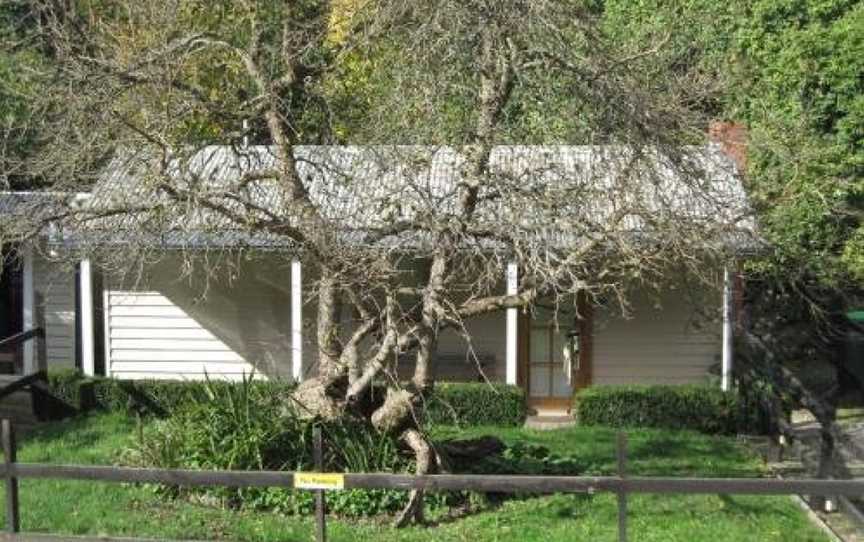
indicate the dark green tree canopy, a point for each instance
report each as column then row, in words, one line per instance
column 799, row 68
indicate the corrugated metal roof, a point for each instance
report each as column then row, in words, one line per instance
column 14, row 203
column 559, row 191
column 22, row 212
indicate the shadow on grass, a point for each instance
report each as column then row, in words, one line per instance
column 650, row 452
column 93, row 438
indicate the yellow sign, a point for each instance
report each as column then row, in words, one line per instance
column 318, row 480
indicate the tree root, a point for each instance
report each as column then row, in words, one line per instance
column 320, row 397
column 413, row 511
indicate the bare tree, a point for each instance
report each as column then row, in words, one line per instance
column 160, row 105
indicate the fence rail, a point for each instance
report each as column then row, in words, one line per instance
column 22, row 337
column 14, row 344
column 622, row 485
column 23, row 383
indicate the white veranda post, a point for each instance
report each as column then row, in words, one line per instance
column 512, row 278
column 296, row 320
column 28, row 316
column 85, row 304
column 728, row 344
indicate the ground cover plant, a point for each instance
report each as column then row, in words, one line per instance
column 249, row 426
column 69, row 507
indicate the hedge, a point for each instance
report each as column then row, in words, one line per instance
column 476, row 404
column 700, row 408
column 450, row 403
column 159, row 397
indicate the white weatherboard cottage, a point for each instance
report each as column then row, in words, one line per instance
column 159, row 326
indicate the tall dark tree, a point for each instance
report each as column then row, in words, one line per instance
column 24, row 67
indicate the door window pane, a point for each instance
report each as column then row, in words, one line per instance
column 558, row 342
column 539, row 341
column 543, row 316
column 560, row 387
column 539, row 378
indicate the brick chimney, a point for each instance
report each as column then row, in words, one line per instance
column 732, row 138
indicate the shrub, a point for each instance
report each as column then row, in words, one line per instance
column 251, row 425
column 66, row 385
column 476, row 404
column 700, row 408
column 159, row 397
column 61, row 399
column 245, row 426
column 227, row 427
column 450, row 403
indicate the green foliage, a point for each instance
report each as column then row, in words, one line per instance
column 433, row 99
column 158, row 397
column 450, row 403
column 698, row 408
column 799, row 87
column 476, row 404
column 22, row 74
column 355, row 447
column 228, row 427
column 68, row 386
column 249, row 427
column 791, row 72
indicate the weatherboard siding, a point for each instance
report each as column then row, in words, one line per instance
column 163, row 327
column 54, row 296
column 152, row 338
column 665, row 344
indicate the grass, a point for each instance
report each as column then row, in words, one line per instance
column 79, row 508
column 652, row 452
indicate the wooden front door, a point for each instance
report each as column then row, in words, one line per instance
column 544, row 373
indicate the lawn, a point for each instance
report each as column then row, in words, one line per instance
column 67, row 507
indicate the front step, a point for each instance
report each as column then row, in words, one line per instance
column 549, row 422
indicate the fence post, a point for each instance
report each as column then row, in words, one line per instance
column 320, row 519
column 622, row 493
column 13, row 521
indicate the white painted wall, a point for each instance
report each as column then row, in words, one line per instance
column 670, row 339
column 165, row 327
column 488, row 340
column 669, row 343
column 54, row 300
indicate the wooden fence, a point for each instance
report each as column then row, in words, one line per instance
column 622, row 485
column 14, row 345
